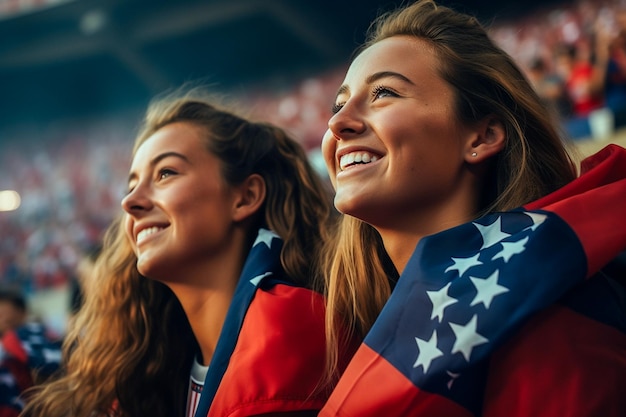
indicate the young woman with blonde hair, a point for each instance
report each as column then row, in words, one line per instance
column 204, row 299
column 467, row 238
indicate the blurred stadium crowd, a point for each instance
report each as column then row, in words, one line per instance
column 71, row 182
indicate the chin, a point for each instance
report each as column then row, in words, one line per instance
column 367, row 214
column 146, row 267
column 342, row 206
column 347, row 207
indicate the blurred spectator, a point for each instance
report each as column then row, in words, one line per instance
column 583, row 86
column 551, row 88
column 610, row 33
column 12, row 315
column 29, row 354
column 13, row 311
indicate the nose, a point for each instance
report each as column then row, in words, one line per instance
column 347, row 122
column 137, row 200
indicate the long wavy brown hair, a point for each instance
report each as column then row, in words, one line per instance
column 486, row 81
column 130, row 347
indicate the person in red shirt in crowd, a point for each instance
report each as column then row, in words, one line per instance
column 29, row 353
column 583, row 85
column 13, row 379
column 583, row 82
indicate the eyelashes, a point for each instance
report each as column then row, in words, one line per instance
column 336, row 107
column 381, row 90
column 377, row 92
column 161, row 174
column 165, row 172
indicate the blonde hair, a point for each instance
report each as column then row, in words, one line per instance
column 130, row 346
column 485, row 81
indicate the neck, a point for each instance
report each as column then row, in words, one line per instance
column 206, row 294
column 402, row 237
column 206, row 311
column 399, row 246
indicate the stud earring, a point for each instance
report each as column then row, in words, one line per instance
column 474, row 154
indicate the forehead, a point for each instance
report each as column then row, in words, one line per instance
column 407, row 55
column 180, row 137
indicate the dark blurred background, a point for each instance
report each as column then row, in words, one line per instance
column 61, row 59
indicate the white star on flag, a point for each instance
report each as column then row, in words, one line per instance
column 492, row 233
column 255, row 281
column 511, row 248
column 440, row 300
column 265, row 236
column 463, row 264
column 428, row 352
column 487, row 289
column 537, row 219
column 467, row 338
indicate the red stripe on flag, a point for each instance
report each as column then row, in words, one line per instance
column 373, row 387
column 588, row 204
column 560, row 363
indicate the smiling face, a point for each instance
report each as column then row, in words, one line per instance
column 179, row 209
column 394, row 149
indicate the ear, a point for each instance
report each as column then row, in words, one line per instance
column 489, row 140
column 249, row 197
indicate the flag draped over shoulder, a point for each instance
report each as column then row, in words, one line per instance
column 270, row 355
column 466, row 290
column 262, row 263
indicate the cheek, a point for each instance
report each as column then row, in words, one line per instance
column 128, row 230
column 329, row 145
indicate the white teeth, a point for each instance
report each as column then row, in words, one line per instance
column 147, row 232
column 352, row 158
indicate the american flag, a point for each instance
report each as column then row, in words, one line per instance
column 262, row 265
column 467, row 290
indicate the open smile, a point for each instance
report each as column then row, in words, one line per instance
column 356, row 158
column 143, row 235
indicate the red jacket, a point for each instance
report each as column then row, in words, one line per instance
column 278, row 362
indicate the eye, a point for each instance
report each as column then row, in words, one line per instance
column 131, row 186
column 381, row 91
column 165, row 172
column 336, row 107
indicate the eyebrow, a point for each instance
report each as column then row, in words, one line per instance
column 375, row 77
column 158, row 159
